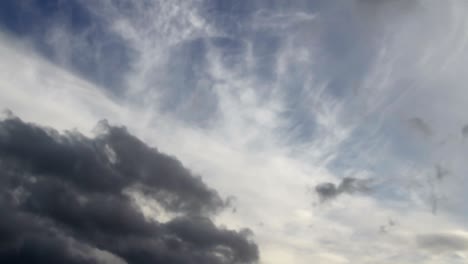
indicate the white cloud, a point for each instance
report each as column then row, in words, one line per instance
column 245, row 151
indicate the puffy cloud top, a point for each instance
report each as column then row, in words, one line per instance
column 64, row 199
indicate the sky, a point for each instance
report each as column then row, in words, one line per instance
column 219, row 131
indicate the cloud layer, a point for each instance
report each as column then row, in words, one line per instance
column 65, row 198
column 263, row 99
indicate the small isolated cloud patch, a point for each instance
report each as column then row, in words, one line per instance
column 327, row 190
column 420, row 126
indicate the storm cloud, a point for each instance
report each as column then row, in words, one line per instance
column 64, row 199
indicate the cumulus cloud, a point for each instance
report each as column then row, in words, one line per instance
column 64, row 199
column 327, row 190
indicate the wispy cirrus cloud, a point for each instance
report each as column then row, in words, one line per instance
column 264, row 99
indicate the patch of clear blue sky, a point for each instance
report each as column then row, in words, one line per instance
column 94, row 51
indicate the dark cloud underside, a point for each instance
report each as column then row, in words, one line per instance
column 63, row 200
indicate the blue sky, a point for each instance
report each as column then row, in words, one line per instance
column 266, row 100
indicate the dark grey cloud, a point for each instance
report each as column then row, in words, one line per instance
column 442, row 242
column 326, row 190
column 349, row 185
column 63, row 196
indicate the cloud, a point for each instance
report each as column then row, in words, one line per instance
column 64, row 197
column 271, row 100
column 464, row 131
column 443, row 242
column 441, row 172
column 349, row 185
column 421, row 126
column 70, row 35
